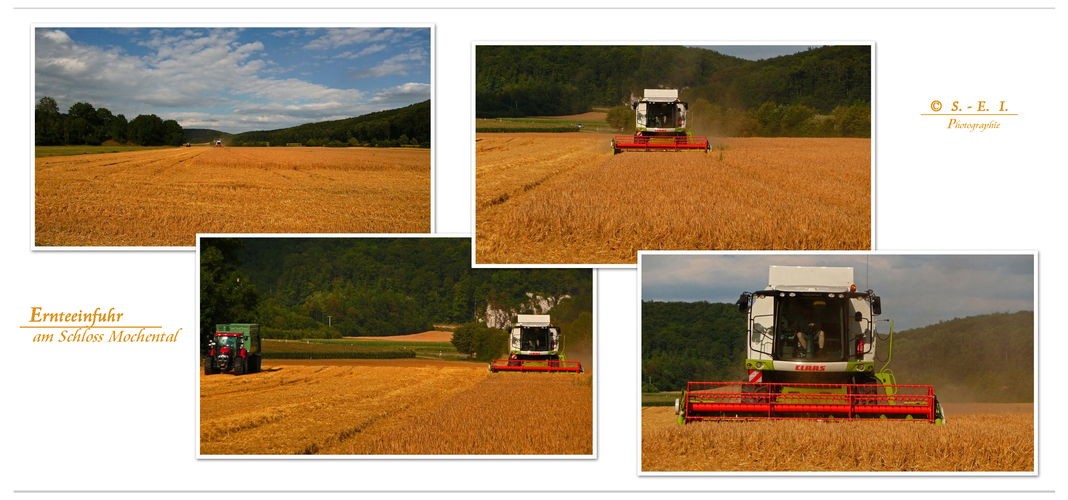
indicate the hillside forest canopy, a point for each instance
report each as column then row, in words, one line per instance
column 820, row 92
column 407, row 126
column 984, row 358
column 324, row 288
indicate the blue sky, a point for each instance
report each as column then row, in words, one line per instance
column 235, row 79
column 917, row 290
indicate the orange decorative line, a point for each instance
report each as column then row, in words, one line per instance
column 90, row 326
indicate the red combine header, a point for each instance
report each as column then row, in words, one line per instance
column 535, row 345
column 744, row 401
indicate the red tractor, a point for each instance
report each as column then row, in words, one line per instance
column 234, row 348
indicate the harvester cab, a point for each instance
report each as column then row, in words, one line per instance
column 234, row 348
column 661, row 124
column 535, row 345
column 811, row 353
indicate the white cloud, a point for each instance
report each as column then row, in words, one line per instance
column 399, row 64
column 370, row 49
column 403, row 94
column 341, row 37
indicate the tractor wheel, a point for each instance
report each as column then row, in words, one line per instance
column 239, row 366
column 209, row 367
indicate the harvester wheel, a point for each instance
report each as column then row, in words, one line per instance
column 239, row 366
column 209, row 367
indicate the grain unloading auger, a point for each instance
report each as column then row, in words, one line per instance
column 535, row 345
column 661, row 123
column 811, row 355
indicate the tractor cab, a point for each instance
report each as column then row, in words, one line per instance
column 538, row 339
column 660, row 112
column 810, row 327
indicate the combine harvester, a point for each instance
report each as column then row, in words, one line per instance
column 661, row 124
column 811, row 355
column 535, row 345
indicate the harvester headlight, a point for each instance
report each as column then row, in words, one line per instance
column 792, row 294
column 782, row 294
column 841, row 295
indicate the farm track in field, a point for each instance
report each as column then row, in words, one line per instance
column 164, row 197
column 343, row 407
column 564, row 198
column 997, row 438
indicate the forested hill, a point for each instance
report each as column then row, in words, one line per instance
column 691, row 341
column 987, row 358
column 391, row 286
column 407, row 126
column 562, row 80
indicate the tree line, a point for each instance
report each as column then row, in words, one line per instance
column 984, row 358
column 407, row 126
column 334, row 287
column 824, row 91
column 768, row 120
column 84, row 124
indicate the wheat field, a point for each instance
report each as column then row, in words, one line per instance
column 359, row 407
column 990, row 441
column 164, row 197
column 564, row 198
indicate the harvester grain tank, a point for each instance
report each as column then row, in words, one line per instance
column 661, row 123
column 535, row 345
column 811, row 354
column 234, row 348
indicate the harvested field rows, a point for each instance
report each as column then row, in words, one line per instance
column 537, row 205
column 993, row 441
column 506, row 414
column 393, row 407
column 293, row 409
column 164, row 197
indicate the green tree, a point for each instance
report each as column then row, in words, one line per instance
column 172, row 133
column 47, row 123
column 226, row 295
column 483, row 342
column 118, row 129
column 146, row 130
column 82, row 124
column 621, row 118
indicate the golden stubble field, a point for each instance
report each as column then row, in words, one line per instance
column 164, row 197
column 976, row 438
column 383, row 407
column 564, row 198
